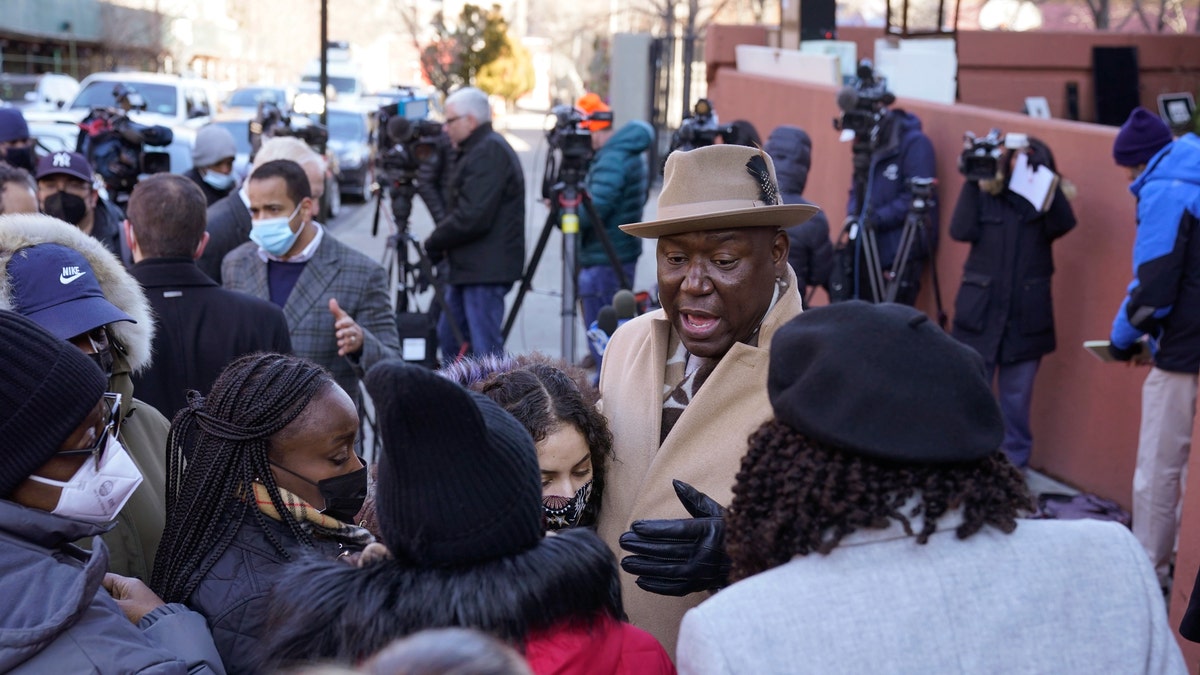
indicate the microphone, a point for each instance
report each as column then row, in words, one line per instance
column 398, row 129
column 624, row 305
column 847, row 98
column 606, row 320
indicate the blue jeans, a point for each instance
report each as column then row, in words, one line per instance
column 596, row 287
column 1014, row 393
column 478, row 310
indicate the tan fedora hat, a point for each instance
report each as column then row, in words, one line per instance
column 719, row 187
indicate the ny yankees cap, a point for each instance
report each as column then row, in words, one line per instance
column 70, row 163
column 55, row 286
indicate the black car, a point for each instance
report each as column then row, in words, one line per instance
column 352, row 141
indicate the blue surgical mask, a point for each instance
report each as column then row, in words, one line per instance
column 275, row 235
column 221, row 182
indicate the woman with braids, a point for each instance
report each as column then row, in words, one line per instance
column 557, row 406
column 270, row 477
column 875, row 527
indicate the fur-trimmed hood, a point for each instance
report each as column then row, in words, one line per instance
column 328, row 610
column 18, row 231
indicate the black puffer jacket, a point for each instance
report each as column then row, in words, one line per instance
column 483, row 232
column 233, row 594
column 811, row 254
column 1003, row 309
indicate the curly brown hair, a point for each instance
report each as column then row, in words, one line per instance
column 795, row 496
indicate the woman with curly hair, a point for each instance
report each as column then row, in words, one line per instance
column 556, row 405
column 876, row 526
column 260, row 472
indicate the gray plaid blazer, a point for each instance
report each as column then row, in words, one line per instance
column 335, row 271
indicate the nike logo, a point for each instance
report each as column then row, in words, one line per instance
column 66, row 278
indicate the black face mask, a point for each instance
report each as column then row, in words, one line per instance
column 344, row 495
column 22, row 158
column 65, row 206
column 103, row 359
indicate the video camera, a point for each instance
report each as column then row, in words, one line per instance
column 403, row 143
column 697, row 130
column 270, row 122
column 864, row 104
column 115, row 144
column 980, row 158
column 573, row 145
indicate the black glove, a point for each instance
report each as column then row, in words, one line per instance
column 677, row 557
column 1124, row 354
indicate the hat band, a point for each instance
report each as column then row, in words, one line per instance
column 694, row 209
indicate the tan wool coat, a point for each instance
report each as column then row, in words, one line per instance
column 704, row 449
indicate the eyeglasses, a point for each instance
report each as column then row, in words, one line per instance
column 109, row 427
column 452, row 120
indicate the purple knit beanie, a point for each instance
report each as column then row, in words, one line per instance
column 1140, row 138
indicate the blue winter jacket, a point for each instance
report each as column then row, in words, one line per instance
column 58, row 619
column 905, row 152
column 618, row 184
column 1163, row 300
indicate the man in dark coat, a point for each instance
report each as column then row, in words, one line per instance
column 483, row 232
column 902, row 152
column 67, row 192
column 811, row 255
column 1003, row 309
column 201, row 326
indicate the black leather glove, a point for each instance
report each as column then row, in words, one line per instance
column 677, row 557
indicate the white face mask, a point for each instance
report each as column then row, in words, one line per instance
column 96, row 495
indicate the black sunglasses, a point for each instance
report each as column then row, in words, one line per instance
column 110, row 428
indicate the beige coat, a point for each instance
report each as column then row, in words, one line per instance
column 704, row 449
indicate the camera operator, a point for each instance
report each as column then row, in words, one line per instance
column 738, row 132
column 66, row 190
column 696, row 130
column 618, row 182
column 897, row 151
column 1003, row 309
column 482, row 234
column 212, row 162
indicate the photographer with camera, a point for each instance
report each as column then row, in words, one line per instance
column 618, row 182
column 696, row 130
column 1003, row 309
column 66, row 191
column 482, row 235
column 890, row 150
column 212, row 162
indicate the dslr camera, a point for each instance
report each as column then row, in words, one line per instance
column 980, row 158
column 698, row 129
column 116, row 145
column 864, row 104
column 270, row 122
column 571, row 144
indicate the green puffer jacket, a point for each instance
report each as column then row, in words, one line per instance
column 618, row 183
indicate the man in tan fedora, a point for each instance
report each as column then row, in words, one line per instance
column 684, row 386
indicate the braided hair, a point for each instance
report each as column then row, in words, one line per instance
column 796, row 496
column 224, row 439
column 543, row 398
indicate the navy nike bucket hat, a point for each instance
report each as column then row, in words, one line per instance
column 55, row 286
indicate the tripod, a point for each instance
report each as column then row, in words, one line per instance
column 411, row 277
column 565, row 198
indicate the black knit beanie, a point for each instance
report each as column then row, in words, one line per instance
column 459, row 481
column 47, row 389
column 883, row 381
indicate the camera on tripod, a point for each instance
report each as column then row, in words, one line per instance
column 573, row 146
column 271, row 121
column 980, row 158
column 864, row 104
column 698, row 129
column 403, row 143
column 116, row 145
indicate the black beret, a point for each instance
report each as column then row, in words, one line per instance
column 885, row 382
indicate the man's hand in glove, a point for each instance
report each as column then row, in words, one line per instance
column 677, row 557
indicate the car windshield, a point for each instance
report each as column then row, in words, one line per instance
column 241, row 134
column 249, row 98
column 160, row 98
column 14, row 92
column 347, row 126
column 342, row 85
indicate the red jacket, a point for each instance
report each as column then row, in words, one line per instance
column 606, row 647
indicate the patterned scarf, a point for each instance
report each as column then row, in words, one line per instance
column 312, row 521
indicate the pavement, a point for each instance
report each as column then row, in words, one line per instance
column 539, row 324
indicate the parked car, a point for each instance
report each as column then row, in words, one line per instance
column 249, row 97
column 352, row 142
column 48, row 91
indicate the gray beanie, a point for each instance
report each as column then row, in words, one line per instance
column 213, row 144
column 47, row 388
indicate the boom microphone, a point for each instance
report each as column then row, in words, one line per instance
column 624, row 305
column 606, row 320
